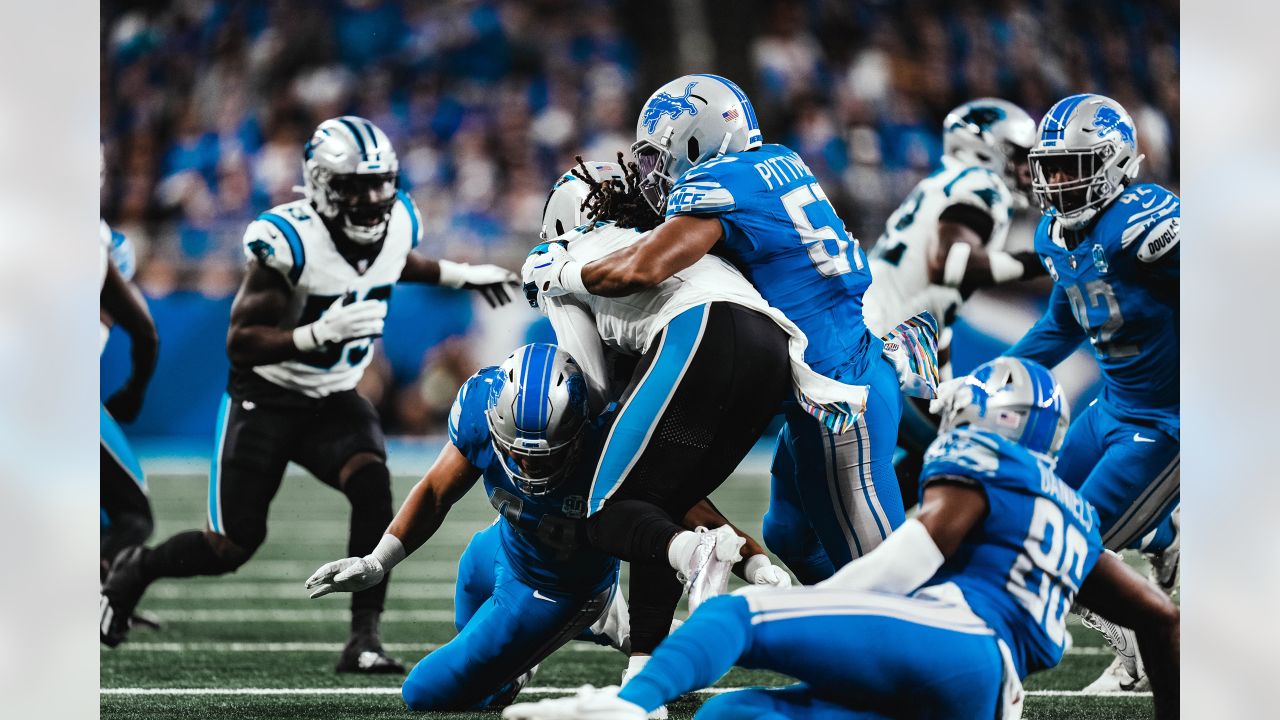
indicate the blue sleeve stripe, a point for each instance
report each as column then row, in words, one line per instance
column 295, row 243
column 413, row 215
column 946, row 190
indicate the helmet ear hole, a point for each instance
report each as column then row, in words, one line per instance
column 559, row 228
column 694, row 154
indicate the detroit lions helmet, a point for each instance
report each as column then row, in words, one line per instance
column 1014, row 398
column 994, row 134
column 688, row 121
column 349, row 169
column 536, row 416
column 1086, row 155
column 563, row 211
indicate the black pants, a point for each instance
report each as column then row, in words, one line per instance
column 122, row 491
column 697, row 402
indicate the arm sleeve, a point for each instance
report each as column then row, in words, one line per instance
column 903, row 562
column 576, row 332
column 1054, row 337
column 271, row 241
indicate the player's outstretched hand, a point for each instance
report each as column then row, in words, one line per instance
column 495, row 284
column 351, row 574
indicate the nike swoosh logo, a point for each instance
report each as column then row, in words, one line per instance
column 539, row 267
column 1149, row 203
column 540, row 596
column 1137, row 437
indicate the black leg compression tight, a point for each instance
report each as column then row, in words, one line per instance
column 632, row 530
column 369, row 491
column 654, row 591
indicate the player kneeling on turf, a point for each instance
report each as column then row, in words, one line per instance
column 948, row 615
column 530, row 583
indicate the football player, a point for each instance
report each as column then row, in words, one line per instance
column 947, row 240
column 677, row 435
column 949, row 614
column 1112, row 249
column 530, row 583
column 125, row 510
column 705, row 168
column 321, row 271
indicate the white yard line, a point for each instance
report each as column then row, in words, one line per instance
column 275, row 615
column 526, row 691
column 194, row 593
column 276, row 647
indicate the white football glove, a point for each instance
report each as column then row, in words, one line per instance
column 351, row 574
column 342, row 323
column 947, row 390
column 763, row 575
column 550, row 271
column 495, row 284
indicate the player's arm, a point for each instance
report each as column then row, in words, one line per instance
column 666, row 250
column 959, row 258
column 1117, row 593
column 1054, row 336
column 952, row 506
column 127, row 309
column 755, row 566
column 421, row 515
column 256, row 338
column 576, row 333
column 495, row 284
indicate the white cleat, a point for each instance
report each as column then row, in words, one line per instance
column 1126, row 673
column 615, row 624
column 513, row 690
column 708, row 573
column 588, row 704
column 1164, row 564
column 634, row 665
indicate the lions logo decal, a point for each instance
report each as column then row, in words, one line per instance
column 1107, row 119
column 667, row 104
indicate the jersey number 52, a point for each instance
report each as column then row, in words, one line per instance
column 822, row 239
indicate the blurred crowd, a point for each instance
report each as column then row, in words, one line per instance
column 206, row 103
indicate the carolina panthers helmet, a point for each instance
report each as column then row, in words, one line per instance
column 994, row 134
column 1086, row 155
column 564, row 209
column 536, row 415
column 1014, row 398
column 349, row 171
column 688, row 121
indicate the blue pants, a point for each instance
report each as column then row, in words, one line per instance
column 505, row 627
column 835, row 497
column 1128, row 471
column 855, row 654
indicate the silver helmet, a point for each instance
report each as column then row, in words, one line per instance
column 994, row 134
column 536, row 416
column 564, row 210
column 1014, row 398
column 688, row 121
column 349, row 171
column 1086, row 155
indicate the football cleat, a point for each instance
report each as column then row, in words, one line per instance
column 614, row 626
column 634, row 665
column 146, row 620
column 712, row 562
column 1164, row 564
column 120, row 595
column 513, row 688
column 364, row 654
column 588, row 703
column 1126, row 673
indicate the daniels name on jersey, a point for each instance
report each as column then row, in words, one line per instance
column 293, row 240
column 900, row 258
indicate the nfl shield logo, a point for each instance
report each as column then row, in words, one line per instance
column 1100, row 258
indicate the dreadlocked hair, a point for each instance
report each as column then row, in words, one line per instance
column 619, row 202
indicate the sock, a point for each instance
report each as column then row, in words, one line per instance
column 695, row 656
column 636, row 663
column 681, row 550
column 369, row 491
column 364, row 621
column 1159, row 539
column 186, row 554
column 653, row 593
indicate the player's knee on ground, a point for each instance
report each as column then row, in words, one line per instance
column 739, row 705
column 454, row 678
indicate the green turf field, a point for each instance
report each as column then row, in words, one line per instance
column 252, row 645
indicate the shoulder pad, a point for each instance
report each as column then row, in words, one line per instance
column 123, row 255
column 962, row 453
column 415, row 217
column 468, row 429
column 981, row 188
column 702, row 190
column 273, row 241
column 1138, row 213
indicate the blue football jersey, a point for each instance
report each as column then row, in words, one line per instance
column 1119, row 288
column 1021, row 567
column 543, row 535
column 782, row 233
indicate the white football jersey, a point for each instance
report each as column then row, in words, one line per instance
column 900, row 284
column 293, row 240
